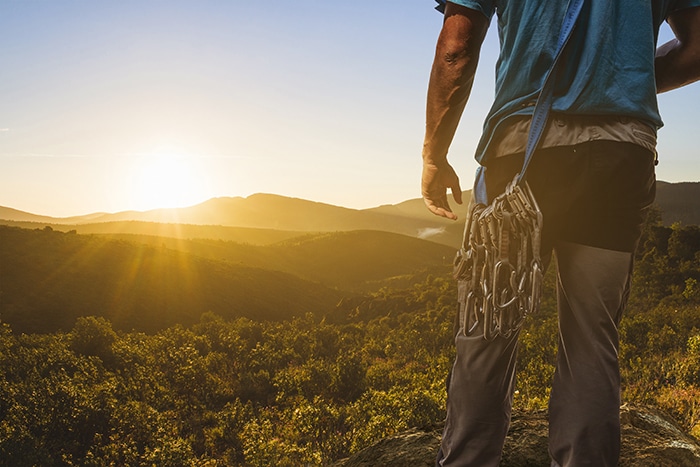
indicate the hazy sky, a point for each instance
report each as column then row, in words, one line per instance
column 117, row 105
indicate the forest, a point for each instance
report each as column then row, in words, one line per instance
column 313, row 386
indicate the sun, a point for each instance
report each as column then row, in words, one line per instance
column 167, row 179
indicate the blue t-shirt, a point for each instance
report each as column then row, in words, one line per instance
column 607, row 67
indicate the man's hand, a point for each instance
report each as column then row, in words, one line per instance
column 436, row 180
column 451, row 78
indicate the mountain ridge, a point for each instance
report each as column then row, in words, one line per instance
column 270, row 212
column 678, row 202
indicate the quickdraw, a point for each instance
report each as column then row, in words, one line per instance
column 498, row 268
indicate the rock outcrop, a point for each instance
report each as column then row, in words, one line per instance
column 650, row 438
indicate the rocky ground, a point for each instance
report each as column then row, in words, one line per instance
column 650, row 438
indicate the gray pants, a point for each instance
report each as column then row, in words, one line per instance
column 593, row 197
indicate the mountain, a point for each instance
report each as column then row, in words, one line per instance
column 679, row 202
column 266, row 212
column 11, row 214
column 21, row 216
column 358, row 260
column 261, row 211
column 415, row 208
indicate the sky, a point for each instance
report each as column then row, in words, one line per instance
column 110, row 106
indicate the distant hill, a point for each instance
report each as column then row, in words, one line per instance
column 49, row 278
column 358, row 260
column 679, row 202
column 174, row 231
column 264, row 211
column 21, row 216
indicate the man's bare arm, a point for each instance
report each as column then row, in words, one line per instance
column 678, row 61
column 451, row 79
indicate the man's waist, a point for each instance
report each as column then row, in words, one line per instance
column 566, row 130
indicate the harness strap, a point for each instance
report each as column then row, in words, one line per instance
column 544, row 102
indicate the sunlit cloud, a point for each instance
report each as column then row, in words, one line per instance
column 4, row 130
column 430, row 232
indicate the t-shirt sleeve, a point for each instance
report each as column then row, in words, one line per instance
column 487, row 7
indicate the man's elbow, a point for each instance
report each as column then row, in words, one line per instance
column 462, row 35
column 457, row 54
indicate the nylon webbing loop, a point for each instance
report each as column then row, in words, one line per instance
column 544, row 102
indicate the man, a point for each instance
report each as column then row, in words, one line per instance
column 593, row 177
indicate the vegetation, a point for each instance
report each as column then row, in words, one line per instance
column 234, row 392
column 310, row 389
